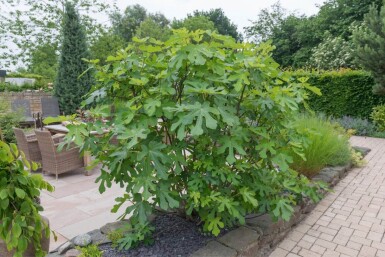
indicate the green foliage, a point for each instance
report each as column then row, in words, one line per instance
column 105, row 45
column 70, row 86
column 21, row 223
column 296, row 37
column 32, row 25
column 8, row 120
column 344, row 93
column 203, row 125
column 126, row 24
column 357, row 158
column 368, row 39
column 115, row 236
column 360, row 127
column 44, row 61
column 378, row 117
column 193, row 23
column 221, row 22
column 333, row 53
column 326, row 146
column 150, row 28
column 90, row 251
column 40, row 81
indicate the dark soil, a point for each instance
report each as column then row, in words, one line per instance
column 173, row 237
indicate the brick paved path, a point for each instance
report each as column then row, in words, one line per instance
column 349, row 221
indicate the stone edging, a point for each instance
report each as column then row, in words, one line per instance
column 259, row 236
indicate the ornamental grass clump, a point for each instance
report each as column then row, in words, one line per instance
column 327, row 145
column 203, row 128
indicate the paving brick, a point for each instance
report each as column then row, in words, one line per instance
column 279, row 252
column 304, row 244
column 346, row 250
column 374, row 236
column 326, row 244
column 326, row 237
column 288, row 244
column 367, row 251
column 318, row 249
column 328, row 231
column 330, row 253
column 307, row 253
column 354, row 245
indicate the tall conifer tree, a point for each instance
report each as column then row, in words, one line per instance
column 370, row 42
column 69, row 87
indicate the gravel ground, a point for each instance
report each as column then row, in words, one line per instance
column 174, row 237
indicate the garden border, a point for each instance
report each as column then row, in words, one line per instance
column 260, row 235
column 257, row 238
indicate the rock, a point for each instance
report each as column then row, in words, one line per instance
column 341, row 170
column 72, row 253
column 363, row 150
column 242, row 239
column 215, row 249
column 327, row 175
column 82, row 240
column 65, row 247
column 113, row 226
column 264, row 223
column 98, row 237
column 55, row 254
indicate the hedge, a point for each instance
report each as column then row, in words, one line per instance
column 344, row 93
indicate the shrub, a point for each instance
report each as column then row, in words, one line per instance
column 203, row 127
column 89, row 251
column 21, row 225
column 344, row 93
column 361, row 127
column 378, row 117
column 326, row 146
column 8, row 120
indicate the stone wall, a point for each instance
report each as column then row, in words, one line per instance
column 33, row 95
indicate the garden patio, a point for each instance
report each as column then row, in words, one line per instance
column 349, row 221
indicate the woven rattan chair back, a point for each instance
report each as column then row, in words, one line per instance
column 28, row 144
column 57, row 162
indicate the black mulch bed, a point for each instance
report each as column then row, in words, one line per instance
column 174, row 237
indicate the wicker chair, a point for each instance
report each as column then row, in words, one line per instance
column 57, row 162
column 28, row 144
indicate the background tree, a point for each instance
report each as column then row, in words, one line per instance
column 268, row 20
column 193, row 23
column 296, row 37
column 150, row 28
column 69, row 87
column 221, row 22
column 126, row 24
column 333, row 53
column 105, row 45
column 370, row 43
column 44, row 61
column 27, row 24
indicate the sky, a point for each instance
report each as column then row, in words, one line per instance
column 239, row 11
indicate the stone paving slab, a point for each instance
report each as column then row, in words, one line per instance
column 349, row 221
column 76, row 206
